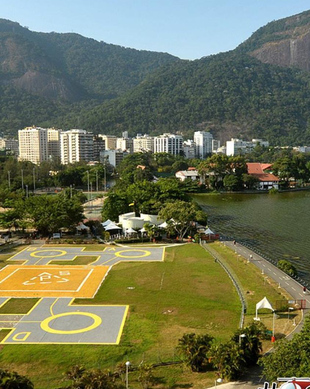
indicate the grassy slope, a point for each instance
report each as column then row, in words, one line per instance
column 188, row 292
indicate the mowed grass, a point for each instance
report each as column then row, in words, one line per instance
column 188, row 292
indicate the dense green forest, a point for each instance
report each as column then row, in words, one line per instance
column 220, row 92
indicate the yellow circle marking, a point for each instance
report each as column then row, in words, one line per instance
column 61, row 252
column 120, row 254
column 45, row 324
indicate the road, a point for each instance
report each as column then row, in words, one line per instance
column 293, row 287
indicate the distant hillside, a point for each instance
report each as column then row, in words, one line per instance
column 69, row 66
column 284, row 42
column 234, row 94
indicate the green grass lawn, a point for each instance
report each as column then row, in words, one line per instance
column 79, row 260
column 188, row 292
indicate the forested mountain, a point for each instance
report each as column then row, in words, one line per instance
column 238, row 93
column 43, row 74
column 231, row 94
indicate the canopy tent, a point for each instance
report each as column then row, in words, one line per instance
column 208, row 231
column 131, row 231
column 81, row 226
column 112, row 226
column 106, row 223
column 264, row 303
column 143, row 230
column 163, row 225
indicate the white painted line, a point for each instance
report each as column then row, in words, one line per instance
column 286, row 283
column 294, row 289
column 85, row 279
column 4, row 279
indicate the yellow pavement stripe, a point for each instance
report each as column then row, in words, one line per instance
column 122, row 325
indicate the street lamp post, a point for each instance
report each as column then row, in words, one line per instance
column 127, row 368
column 288, row 313
column 241, row 336
column 218, row 381
column 88, row 185
column 34, row 179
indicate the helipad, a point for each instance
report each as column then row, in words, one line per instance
column 51, row 281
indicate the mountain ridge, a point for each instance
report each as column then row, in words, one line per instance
column 247, row 92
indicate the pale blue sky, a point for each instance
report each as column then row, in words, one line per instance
column 189, row 29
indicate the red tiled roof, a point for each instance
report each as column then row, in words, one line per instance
column 257, row 169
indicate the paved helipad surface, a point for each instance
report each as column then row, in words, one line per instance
column 55, row 319
column 109, row 256
column 51, row 281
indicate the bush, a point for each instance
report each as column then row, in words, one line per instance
column 287, row 267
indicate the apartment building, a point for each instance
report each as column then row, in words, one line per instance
column 76, row 145
column 203, row 141
column 143, row 143
column 168, row 143
column 33, row 145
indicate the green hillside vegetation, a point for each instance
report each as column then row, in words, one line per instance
column 222, row 92
column 106, row 88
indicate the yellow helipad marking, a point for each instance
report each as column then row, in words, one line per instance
column 51, row 281
column 45, row 324
column 37, row 255
column 21, row 336
column 145, row 253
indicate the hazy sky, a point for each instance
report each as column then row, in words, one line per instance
column 189, row 29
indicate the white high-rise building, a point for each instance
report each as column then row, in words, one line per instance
column 168, row 143
column 240, row 147
column 76, row 145
column 33, row 144
column 143, row 143
column 203, row 141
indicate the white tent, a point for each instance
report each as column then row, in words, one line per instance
column 112, row 226
column 163, row 225
column 143, row 230
column 81, row 227
column 264, row 303
column 106, row 223
column 208, row 231
column 131, row 231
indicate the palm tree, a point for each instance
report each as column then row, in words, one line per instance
column 195, row 349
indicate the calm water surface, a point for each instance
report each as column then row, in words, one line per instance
column 277, row 225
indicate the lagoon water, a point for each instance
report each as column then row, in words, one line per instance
column 277, row 225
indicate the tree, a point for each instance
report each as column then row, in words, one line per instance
column 195, row 351
column 287, row 267
column 12, row 380
column 249, row 340
column 145, row 375
column 90, row 379
column 290, row 358
column 228, row 360
column 231, row 182
column 182, row 214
